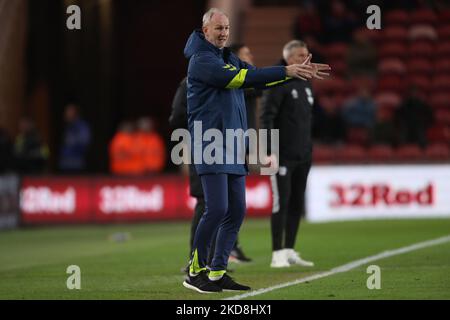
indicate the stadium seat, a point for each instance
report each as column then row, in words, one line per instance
column 387, row 99
column 391, row 65
column 391, row 83
column 323, row 154
column 395, row 33
column 421, row 49
column 443, row 49
column 336, row 51
column 351, row 154
column 444, row 32
column 422, row 32
column 421, row 82
column 357, row 136
column 423, row 16
column 444, row 17
column 440, row 100
column 442, row 66
column 437, row 152
column 441, row 83
column 439, row 134
column 396, row 17
column 339, row 67
column 392, row 50
column 409, row 152
column 373, row 35
column 419, row 66
column 381, row 153
column 442, row 116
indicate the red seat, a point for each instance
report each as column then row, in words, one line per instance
column 409, row 152
column 336, row 51
column 421, row 82
column 395, row 33
column 442, row 66
column 441, row 82
column 391, row 65
column 444, row 32
column 323, row 154
column 443, row 49
column 392, row 50
column 357, row 136
column 437, row 152
column 351, row 154
column 381, row 153
column 420, row 66
column 425, row 16
column 397, row 17
column 421, row 49
column 439, row 134
column 422, row 32
column 373, row 35
column 391, row 83
column 442, row 116
column 444, row 16
column 440, row 100
column 389, row 100
column 339, row 67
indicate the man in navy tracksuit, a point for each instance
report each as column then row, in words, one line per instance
column 216, row 101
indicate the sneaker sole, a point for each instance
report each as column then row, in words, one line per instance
column 189, row 286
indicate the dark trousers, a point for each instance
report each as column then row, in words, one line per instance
column 288, row 191
column 224, row 214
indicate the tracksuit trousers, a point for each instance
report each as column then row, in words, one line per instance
column 224, row 213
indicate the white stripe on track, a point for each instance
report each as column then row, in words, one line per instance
column 346, row 267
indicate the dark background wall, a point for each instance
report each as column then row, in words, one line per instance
column 125, row 62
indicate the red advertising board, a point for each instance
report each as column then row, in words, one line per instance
column 108, row 199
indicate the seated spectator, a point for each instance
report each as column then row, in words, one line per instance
column 308, row 21
column 361, row 56
column 328, row 127
column 360, row 111
column 151, row 146
column 5, row 151
column 413, row 118
column 338, row 23
column 30, row 152
column 76, row 140
column 125, row 157
column 384, row 129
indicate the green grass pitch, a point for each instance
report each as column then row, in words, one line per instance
column 33, row 261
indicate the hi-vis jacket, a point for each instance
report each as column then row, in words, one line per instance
column 215, row 97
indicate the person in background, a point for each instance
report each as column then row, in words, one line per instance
column 178, row 119
column 76, row 141
column 288, row 108
column 125, row 158
column 150, row 145
column 30, row 152
column 413, row 118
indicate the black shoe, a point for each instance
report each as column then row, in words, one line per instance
column 228, row 284
column 201, row 283
column 238, row 256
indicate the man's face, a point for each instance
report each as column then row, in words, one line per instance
column 217, row 30
column 298, row 55
column 245, row 55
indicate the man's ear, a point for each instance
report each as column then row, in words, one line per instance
column 204, row 29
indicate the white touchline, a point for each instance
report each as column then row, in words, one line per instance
column 346, row 267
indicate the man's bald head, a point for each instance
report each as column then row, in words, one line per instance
column 216, row 27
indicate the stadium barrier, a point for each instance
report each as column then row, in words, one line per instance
column 333, row 193
column 9, row 201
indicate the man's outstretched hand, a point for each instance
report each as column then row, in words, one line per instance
column 308, row 70
column 319, row 69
